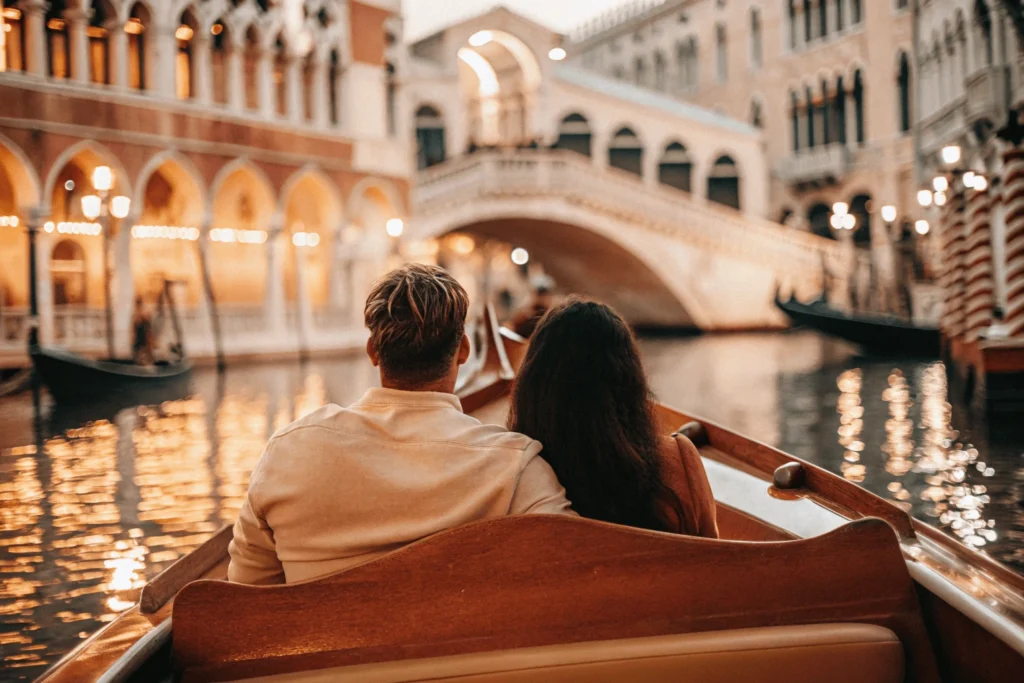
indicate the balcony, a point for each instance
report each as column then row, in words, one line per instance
column 1018, row 94
column 987, row 96
column 943, row 127
column 816, row 166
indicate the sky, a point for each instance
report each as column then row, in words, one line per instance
column 423, row 17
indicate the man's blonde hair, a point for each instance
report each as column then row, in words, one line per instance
column 416, row 315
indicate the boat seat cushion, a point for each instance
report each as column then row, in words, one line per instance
column 838, row 653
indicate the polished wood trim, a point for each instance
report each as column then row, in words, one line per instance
column 537, row 580
column 193, row 566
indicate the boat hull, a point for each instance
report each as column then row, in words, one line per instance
column 74, row 380
column 876, row 335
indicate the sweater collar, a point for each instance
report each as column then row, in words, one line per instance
column 415, row 399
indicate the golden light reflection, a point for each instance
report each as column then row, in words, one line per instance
column 899, row 431
column 851, row 424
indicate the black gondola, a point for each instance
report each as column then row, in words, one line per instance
column 875, row 334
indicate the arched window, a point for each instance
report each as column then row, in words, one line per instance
column 808, row 22
column 818, row 219
column 392, row 100
column 251, row 68
column 99, row 48
column 57, row 40
column 185, row 65
column 856, row 12
column 430, row 143
column 138, row 47
column 903, row 84
column 676, row 167
column 839, row 111
column 333, row 74
column 221, row 45
column 822, row 18
column 983, row 22
column 625, row 152
column 280, row 87
column 792, row 23
column 860, row 207
column 756, row 49
column 756, row 113
column 858, row 105
column 840, row 14
column 640, row 72
column 574, row 134
column 12, row 39
column 694, row 63
column 823, row 114
column 682, row 67
column 809, row 108
column 724, row 183
column 795, row 113
column 721, row 54
column 67, row 265
column 659, row 71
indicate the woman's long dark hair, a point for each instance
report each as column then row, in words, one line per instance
column 582, row 392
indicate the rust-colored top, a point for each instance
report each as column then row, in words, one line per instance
column 683, row 472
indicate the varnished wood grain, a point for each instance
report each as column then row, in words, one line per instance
column 189, row 568
column 539, row 580
column 734, row 525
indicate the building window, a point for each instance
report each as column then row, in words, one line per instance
column 12, row 45
column 808, row 24
column 721, row 53
column 792, row 24
column 856, row 11
column 903, row 84
column 659, row 71
column 795, row 112
column 640, row 72
column 756, row 114
column 430, row 141
column 756, row 54
column 983, row 21
column 810, row 118
column 858, row 105
column 822, row 18
column 823, row 114
column 57, row 41
column 840, row 14
column 902, row 4
column 839, row 111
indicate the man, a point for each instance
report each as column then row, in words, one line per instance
column 345, row 485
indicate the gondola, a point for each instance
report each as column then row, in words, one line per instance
column 814, row 579
column 73, row 379
column 875, row 334
column 18, row 382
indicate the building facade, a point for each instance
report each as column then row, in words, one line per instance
column 829, row 82
column 260, row 135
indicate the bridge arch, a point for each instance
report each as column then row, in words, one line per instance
column 585, row 253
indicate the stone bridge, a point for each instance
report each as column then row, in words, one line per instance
column 661, row 255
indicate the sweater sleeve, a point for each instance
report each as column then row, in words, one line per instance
column 252, row 549
column 538, row 492
column 697, row 489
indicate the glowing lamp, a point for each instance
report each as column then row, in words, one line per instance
column 888, row 213
column 980, row 183
column 951, row 154
column 922, row 227
column 940, row 199
column 849, row 221
column 520, row 256
column 120, row 206
column 102, row 179
column 940, row 183
column 836, row 221
column 924, row 198
column 69, row 185
column 91, row 206
column 395, row 227
column 840, row 208
column 556, row 54
column 969, row 177
column 481, row 38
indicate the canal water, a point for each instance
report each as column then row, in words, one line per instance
column 92, row 508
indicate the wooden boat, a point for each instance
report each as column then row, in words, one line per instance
column 875, row 334
column 16, row 383
column 815, row 579
column 74, row 379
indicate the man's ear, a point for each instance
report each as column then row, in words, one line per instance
column 464, row 349
column 371, row 351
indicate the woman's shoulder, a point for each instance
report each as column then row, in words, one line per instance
column 675, row 451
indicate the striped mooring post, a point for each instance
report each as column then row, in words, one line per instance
column 1013, row 198
column 977, row 265
column 953, row 278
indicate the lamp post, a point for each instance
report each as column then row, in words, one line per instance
column 394, row 227
column 102, row 206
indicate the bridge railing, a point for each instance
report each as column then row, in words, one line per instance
column 531, row 173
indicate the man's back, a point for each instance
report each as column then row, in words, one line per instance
column 346, row 485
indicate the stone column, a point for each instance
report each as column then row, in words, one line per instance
column 34, row 21
column 35, row 220
column 117, row 53
column 236, row 77
column 320, row 94
column 161, row 60
column 953, row 278
column 305, row 304
column 1013, row 199
column 978, row 265
column 649, row 163
column 274, row 309
column 884, row 262
column 265, row 84
column 294, row 82
column 336, row 293
column 122, row 286
column 78, row 43
column 202, row 69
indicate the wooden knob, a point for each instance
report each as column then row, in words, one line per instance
column 789, row 476
column 695, row 432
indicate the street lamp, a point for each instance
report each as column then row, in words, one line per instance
column 924, row 198
column 520, row 256
column 922, row 227
column 950, row 154
column 102, row 206
column 889, row 213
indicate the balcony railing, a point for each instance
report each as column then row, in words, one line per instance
column 526, row 173
column 987, row 95
column 824, row 164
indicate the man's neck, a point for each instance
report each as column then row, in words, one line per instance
column 442, row 386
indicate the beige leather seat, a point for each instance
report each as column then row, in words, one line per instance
column 833, row 653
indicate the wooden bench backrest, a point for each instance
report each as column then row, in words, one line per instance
column 541, row 580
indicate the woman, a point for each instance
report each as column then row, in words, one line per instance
column 582, row 392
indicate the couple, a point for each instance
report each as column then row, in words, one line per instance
column 346, row 485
